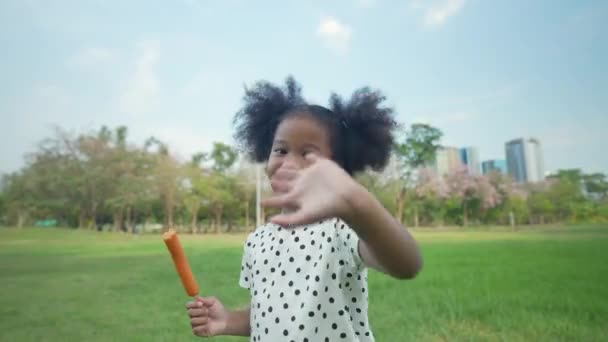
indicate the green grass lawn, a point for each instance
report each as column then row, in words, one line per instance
column 545, row 284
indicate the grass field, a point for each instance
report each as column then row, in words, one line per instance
column 547, row 284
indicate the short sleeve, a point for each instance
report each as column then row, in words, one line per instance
column 349, row 242
column 245, row 280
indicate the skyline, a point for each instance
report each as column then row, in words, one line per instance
column 477, row 161
column 484, row 73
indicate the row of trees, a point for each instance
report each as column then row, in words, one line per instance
column 461, row 198
column 98, row 178
column 88, row 180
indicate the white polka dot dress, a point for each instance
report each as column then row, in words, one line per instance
column 307, row 283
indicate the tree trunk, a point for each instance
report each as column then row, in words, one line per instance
column 542, row 219
column 118, row 220
column 194, row 220
column 218, row 218
column 465, row 221
column 129, row 220
column 93, row 222
column 169, row 214
column 400, row 203
column 21, row 217
column 416, row 216
column 82, row 218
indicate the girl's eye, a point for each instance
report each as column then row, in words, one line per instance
column 280, row 151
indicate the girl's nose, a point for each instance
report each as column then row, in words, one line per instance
column 292, row 161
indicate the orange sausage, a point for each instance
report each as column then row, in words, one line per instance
column 181, row 262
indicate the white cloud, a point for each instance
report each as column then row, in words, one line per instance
column 92, row 57
column 141, row 93
column 336, row 35
column 436, row 13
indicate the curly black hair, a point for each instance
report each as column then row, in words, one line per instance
column 361, row 130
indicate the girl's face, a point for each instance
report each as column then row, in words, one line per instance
column 295, row 137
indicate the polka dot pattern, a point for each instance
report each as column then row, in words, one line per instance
column 307, row 283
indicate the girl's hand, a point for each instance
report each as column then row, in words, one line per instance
column 321, row 190
column 208, row 317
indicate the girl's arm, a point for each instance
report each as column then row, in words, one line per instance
column 384, row 244
column 324, row 190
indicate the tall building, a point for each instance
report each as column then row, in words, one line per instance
column 447, row 159
column 470, row 158
column 525, row 160
column 494, row 165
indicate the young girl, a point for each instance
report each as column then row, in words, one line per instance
column 306, row 270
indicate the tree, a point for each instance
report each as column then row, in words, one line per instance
column 470, row 190
column 575, row 196
column 540, row 206
column 463, row 189
column 246, row 179
column 488, row 195
column 3, row 202
column 382, row 186
column 574, row 176
column 218, row 192
column 59, row 177
column 434, row 191
column 517, row 206
column 93, row 158
column 596, row 185
column 68, row 176
column 565, row 192
column 223, row 157
column 19, row 193
column 512, row 200
column 196, row 187
column 130, row 170
column 417, row 148
column 166, row 177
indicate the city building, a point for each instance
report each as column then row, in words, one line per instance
column 447, row 159
column 525, row 160
column 496, row 165
column 469, row 157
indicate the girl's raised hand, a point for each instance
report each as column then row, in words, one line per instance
column 321, row 190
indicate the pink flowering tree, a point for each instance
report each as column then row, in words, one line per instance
column 470, row 190
column 513, row 200
column 433, row 190
column 488, row 195
column 463, row 189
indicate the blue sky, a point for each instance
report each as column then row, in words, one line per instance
column 482, row 71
